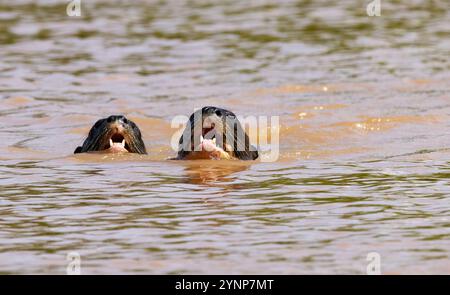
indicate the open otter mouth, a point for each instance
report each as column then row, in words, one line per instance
column 208, row 131
column 208, row 137
column 209, row 148
column 117, row 143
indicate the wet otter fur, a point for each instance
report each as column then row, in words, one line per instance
column 113, row 134
column 215, row 133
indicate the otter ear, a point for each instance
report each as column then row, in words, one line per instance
column 77, row 150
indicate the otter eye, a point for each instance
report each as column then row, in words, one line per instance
column 125, row 120
column 218, row 113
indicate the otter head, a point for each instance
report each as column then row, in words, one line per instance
column 113, row 134
column 215, row 133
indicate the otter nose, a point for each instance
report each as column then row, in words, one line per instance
column 120, row 119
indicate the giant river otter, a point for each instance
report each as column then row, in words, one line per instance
column 113, row 134
column 215, row 133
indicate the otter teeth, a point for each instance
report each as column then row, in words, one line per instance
column 117, row 144
column 202, row 139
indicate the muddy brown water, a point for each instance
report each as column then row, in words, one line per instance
column 363, row 104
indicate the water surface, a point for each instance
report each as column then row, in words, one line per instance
column 364, row 107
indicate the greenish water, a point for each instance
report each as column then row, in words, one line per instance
column 364, row 108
